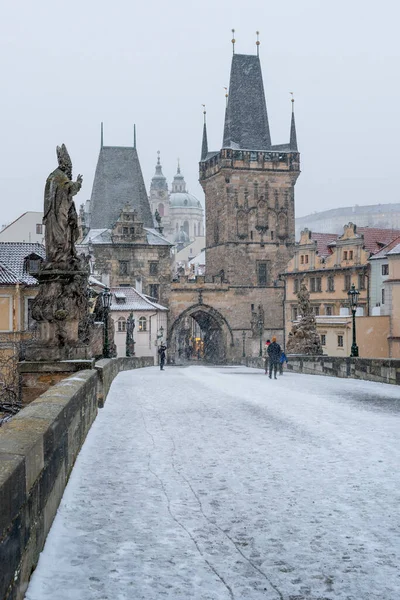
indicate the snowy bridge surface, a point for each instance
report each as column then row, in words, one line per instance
column 218, row 483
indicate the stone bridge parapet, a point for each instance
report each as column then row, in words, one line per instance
column 382, row 370
column 38, row 448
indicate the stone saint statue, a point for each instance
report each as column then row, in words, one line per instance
column 60, row 217
column 157, row 217
column 304, row 339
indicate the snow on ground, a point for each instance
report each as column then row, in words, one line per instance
column 218, row 483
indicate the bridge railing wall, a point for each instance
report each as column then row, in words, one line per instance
column 383, row 370
column 38, row 448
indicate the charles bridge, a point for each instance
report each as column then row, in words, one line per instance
column 153, row 418
column 39, row 446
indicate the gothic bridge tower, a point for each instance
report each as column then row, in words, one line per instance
column 249, row 187
column 250, row 230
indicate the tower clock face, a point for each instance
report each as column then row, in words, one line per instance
column 162, row 194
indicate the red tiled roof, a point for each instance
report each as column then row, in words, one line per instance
column 323, row 240
column 382, row 253
column 375, row 239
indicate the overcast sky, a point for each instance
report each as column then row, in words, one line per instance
column 67, row 66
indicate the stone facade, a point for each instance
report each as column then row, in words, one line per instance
column 131, row 255
column 249, row 215
column 249, row 203
column 392, row 304
column 224, row 313
column 329, row 264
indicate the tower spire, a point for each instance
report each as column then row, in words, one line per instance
column 101, row 135
column 246, row 118
column 233, row 41
column 134, row 136
column 258, row 43
column 204, row 145
column 293, row 136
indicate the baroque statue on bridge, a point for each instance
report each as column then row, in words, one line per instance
column 60, row 216
column 304, row 339
column 65, row 326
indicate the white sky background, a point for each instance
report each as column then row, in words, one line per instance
column 68, row 66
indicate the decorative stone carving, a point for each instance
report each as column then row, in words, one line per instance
column 262, row 215
column 242, row 224
column 282, row 225
column 61, row 306
column 303, row 339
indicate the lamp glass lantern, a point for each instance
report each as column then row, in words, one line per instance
column 106, row 298
column 353, row 297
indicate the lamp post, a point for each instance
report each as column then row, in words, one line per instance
column 106, row 297
column 244, row 344
column 160, row 335
column 260, row 331
column 353, row 301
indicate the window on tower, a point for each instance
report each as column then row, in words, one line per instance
column 262, row 273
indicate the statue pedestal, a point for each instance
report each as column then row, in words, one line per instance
column 65, row 327
column 38, row 376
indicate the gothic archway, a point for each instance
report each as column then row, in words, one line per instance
column 199, row 334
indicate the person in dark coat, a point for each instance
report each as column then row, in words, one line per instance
column 274, row 354
column 161, row 353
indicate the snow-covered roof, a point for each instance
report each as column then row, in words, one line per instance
column 94, row 281
column 128, row 298
column 103, row 236
column 396, row 250
column 199, row 259
column 12, row 257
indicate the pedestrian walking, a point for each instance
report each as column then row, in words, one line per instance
column 267, row 343
column 161, row 353
column 274, row 353
column 282, row 359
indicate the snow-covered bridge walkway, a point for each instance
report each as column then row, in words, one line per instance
column 218, row 483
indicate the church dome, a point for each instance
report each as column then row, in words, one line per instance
column 183, row 200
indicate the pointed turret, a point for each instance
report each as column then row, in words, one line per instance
column 246, row 118
column 293, row 136
column 204, row 145
column 118, row 180
column 179, row 183
column 159, row 182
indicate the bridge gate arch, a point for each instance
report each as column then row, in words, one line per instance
column 199, row 333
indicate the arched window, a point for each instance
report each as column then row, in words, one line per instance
column 198, row 229
column 142, row 324
column 121, row 324
column 186, row 227
column 177, row 228
column 161, row 209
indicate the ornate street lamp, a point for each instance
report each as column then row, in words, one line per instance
column 130, row 342
column 353, row 301
column 106, row 298
column 244, row 344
